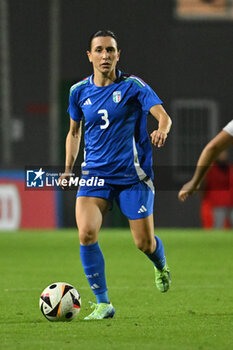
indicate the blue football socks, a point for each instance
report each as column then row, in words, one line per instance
column 94, row 267
column 158, row 257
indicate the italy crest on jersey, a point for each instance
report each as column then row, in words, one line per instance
column 116, row 96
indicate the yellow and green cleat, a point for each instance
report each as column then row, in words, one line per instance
column 101, row 311
column 163, row 279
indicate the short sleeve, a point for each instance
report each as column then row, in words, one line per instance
column 74, row 110
column 147, row 98
column 229, row 128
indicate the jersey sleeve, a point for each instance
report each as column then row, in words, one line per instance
column 229, row 128
column 74, row 110
column 147, row 98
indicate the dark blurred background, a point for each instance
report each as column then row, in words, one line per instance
column 183, row 53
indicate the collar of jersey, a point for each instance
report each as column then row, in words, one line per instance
column 118, row 75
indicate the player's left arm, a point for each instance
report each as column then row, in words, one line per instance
column 158, row 137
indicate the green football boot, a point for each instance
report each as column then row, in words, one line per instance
column 101, row 311
column 163, row 278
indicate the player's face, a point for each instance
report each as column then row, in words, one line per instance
column 104, row 54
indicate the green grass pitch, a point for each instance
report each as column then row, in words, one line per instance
column 196, row 314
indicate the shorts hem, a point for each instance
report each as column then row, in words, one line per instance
column 141, row 216
column 92, row 195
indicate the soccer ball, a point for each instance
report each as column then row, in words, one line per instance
column 60, row 302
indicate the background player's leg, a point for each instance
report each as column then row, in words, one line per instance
column 220, row 214
column 231, row 216
column 89, row 216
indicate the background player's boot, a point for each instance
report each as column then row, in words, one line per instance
column 163, row 278
column 101, row 311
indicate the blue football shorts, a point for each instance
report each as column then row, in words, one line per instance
column 136, row 201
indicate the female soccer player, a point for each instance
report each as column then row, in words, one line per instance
column 222, row 141
column 117, row 151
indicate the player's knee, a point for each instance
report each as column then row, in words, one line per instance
column 145, row 245
column 87, row 236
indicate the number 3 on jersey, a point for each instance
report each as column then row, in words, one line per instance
column 104, row 116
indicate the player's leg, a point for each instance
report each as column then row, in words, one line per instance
column 143, row 234
column 89, row 216
column 145, row 240
column 136, row 204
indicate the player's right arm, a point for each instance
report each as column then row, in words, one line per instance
column 72, row 148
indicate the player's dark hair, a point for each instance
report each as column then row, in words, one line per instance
column 105, row 32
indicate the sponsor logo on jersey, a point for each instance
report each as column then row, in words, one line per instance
column 87, row 102
column 142, row 209
column 116, row 96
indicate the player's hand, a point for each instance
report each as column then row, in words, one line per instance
column 64, row 180
column 187, row 190
column 158, row 138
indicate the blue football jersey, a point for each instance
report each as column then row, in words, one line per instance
column 117, row 145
